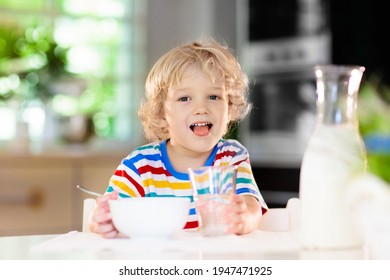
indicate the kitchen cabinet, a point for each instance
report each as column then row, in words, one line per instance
column 35, row 196
column 38, row 193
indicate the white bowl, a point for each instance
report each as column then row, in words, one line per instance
column 149, row 217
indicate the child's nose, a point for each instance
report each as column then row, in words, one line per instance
column 200, row 107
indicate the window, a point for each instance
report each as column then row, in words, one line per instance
column 68, row 60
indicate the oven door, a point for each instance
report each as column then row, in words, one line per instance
column 282, row 118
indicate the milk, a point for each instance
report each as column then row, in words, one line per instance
column 334, row 155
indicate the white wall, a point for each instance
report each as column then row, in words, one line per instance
column 172, row 22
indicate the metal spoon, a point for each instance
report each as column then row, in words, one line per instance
column 88, row 191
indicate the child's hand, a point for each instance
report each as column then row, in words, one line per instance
column 100, row 218
column 245, row 214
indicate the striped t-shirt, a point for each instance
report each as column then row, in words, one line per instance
column 147, row 172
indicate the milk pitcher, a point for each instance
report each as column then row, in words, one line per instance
column 335, row 153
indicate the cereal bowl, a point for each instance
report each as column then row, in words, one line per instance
column 149, row 217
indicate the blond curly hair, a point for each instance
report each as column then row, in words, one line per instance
column 206, row 55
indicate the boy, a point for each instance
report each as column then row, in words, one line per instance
column 193, row 94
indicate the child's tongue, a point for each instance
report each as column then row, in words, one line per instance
column 201, row 130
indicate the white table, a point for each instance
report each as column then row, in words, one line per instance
column 183, row 246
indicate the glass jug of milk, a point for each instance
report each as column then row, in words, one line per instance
column 335, row 153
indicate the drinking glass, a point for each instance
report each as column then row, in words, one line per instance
column 213, row 187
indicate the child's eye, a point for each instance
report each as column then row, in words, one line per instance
column 184, row 99
column 214, row 97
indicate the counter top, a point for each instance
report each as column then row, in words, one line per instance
column 97, row 149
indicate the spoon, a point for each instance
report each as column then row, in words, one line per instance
column 88, row 191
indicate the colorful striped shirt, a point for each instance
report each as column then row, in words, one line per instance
column 147, row 172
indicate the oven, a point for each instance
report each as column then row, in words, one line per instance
column 280, row 43
column 283, row 41
column 283, row 105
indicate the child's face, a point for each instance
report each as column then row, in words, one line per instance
column 197, row 112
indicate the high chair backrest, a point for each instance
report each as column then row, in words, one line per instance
column 88, row 205
column 282, row 219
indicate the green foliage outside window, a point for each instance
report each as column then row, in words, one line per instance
column 374, row 125
column 71, row 55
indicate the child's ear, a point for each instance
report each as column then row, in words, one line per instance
column 164, row 122
column 163, row 119
column 230, row 113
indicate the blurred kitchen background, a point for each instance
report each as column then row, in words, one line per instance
column 72, row 75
